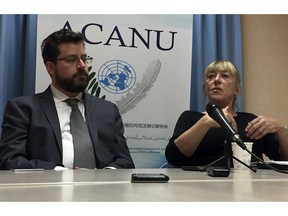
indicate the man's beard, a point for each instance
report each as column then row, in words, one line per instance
column 76, row 84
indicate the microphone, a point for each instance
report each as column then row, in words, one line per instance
column 216, row 113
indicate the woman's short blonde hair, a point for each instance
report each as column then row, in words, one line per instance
column 223, row 65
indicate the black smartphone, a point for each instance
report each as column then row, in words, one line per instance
column 218, row 171
column 149, row 178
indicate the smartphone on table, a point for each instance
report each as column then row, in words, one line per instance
column 149, row 178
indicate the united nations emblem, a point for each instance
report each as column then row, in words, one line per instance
column 116, row 76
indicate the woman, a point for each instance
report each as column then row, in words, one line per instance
column 199, row 140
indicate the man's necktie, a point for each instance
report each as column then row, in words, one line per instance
column 83, row 149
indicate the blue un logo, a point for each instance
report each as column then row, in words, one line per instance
column 116, row 76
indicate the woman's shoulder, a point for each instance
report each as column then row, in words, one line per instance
column 189, row 114
column 246, row 115
column 192, row 113
column 189, row 117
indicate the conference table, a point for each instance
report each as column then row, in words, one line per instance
column 107, row 185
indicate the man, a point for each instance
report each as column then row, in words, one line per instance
column 36, row 130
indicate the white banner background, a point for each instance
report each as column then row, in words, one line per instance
column 149, row 120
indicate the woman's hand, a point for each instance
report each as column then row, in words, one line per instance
column 263, row 125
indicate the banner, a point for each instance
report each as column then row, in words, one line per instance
column 142, row 63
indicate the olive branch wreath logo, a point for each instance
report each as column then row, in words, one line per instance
column 140, row 91
column 93, row 84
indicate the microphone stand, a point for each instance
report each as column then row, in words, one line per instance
column 228, row 155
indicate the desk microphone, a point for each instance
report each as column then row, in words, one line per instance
column 216, row 113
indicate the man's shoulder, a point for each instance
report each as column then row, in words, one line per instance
column 98, row 100
column 24, row 98
column 29, row 99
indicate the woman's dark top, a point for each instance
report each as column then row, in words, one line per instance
column 211, row 147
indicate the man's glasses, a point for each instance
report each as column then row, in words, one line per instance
column 73, row 60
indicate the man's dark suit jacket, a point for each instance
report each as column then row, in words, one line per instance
column 31, row 136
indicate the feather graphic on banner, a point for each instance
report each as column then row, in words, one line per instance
column 141, row 89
